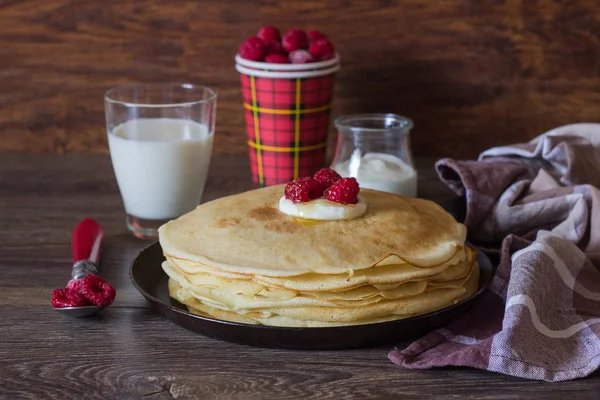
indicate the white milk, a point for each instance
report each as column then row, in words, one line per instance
column 160, row 165
column 380, row 171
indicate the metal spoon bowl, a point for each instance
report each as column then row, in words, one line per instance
column 84, row 311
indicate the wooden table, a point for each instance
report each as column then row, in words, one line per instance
column 130, row 352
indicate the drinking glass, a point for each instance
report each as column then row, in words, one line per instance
column 375, row 149
column 160, row 138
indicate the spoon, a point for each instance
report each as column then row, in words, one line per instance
column 85, row 241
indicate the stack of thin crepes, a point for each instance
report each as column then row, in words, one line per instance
column 240, row 259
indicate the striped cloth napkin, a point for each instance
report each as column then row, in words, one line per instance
column 538, row 205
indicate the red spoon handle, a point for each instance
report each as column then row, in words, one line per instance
column 86, row 241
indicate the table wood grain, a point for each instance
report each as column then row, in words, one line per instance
column 130, row 352
column 471, row 73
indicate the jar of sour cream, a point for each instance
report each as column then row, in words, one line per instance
column 375, row 149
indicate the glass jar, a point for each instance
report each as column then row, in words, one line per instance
column 375, row 149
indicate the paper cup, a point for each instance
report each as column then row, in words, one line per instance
column 287, row 110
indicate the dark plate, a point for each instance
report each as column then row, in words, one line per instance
column 151, row 281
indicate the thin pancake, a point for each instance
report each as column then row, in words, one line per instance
column 247, row 234
column 382, row 277
column 321, row 317
column 196, row 307
column 236, row 301
column 249, row 288
column 311, row 309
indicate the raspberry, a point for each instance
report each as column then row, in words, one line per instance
column 321, row 49
column 300, row 57
column 252, row 49
column 97, row 291
column 294, row 39
column 326, row 177
column 314, row 35
column 277, row 59
column 68, row 298
column 268, row 33
column 344, row 191
column 274, row 47
column 302, row 190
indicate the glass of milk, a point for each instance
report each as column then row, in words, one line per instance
column 160, row 138
column 375, row 149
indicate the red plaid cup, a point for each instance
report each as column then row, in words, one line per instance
column 287, row 117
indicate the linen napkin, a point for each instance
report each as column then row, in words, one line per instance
column 537, row 205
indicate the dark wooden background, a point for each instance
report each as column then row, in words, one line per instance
column 471, row 73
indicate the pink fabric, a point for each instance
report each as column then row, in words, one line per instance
column 537, row 204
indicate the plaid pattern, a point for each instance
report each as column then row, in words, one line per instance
column 287, row 121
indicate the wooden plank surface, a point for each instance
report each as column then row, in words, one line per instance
column 471, row 73
column 130, row 352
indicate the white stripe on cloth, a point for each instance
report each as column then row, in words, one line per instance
column 524, row 300
column 562, row 270
column 500, row 363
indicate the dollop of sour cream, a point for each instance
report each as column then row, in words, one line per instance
column 322, row 209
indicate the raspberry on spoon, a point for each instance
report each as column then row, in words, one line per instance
column 96, row 290
column 344, row 191
column 62, row 298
